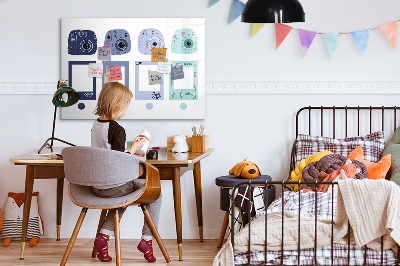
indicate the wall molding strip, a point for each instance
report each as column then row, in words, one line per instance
column 304, row 87
column 251, row 87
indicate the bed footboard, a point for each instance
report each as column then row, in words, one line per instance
column 313, row 260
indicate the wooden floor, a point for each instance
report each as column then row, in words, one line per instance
column 50, row 252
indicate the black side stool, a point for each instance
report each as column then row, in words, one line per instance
column 226, row 183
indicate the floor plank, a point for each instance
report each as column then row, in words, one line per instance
column 50, row 252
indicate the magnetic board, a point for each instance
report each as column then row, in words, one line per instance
column 131, row 50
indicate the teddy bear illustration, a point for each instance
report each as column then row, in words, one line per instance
column 13, row 215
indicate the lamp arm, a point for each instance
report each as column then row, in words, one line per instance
column 73, row 98
column 46, row 143
column 54, row 127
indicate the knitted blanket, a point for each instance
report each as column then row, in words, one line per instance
column 373, row 209
column 274, row 235
column 371, row 206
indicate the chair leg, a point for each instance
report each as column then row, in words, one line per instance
column 117, row 238
column 73, row 237
column 154, row 230
column 101, row 222
column 223, row 229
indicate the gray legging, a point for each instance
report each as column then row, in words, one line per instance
column 154, row 208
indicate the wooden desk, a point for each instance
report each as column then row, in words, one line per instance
column 40, row 167
column 168, row 164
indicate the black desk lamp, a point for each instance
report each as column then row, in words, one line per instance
column 273, row 11
column 63, row 97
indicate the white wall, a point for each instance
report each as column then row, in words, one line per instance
column 259, row 127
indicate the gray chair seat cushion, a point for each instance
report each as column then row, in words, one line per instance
column 83, row 196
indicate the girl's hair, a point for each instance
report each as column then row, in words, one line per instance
column 114, row 97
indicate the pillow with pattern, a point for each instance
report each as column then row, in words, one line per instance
column 372, row 145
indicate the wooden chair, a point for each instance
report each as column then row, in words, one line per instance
column 85, row 167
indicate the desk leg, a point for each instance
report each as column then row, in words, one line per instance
column 60, row 190
column 27, row 206
column 176, row 182
column 199, row 204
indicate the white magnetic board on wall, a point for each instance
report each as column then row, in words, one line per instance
column 135, row 44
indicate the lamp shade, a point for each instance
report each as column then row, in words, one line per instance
column 273, row 11
column 65, row 96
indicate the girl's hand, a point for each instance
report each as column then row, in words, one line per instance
column 137, row 144
column 143, row 155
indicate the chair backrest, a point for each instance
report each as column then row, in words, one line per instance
column 92, row 166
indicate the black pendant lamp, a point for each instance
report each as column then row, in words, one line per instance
column 273, row 11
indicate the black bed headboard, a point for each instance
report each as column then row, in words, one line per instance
column 346, row 111
column 344, row 121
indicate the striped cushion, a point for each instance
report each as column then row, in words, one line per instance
column 372, row 145
column 13, row 228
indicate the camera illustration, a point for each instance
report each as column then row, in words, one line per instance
column 119, row 41
column 149, row 39
column 82, row 42
column 184, row 41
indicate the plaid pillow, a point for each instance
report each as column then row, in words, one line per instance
column 372, row 145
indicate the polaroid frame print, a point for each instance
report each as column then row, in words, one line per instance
column 189, row 93
column 147, row 95
column 117, row 63
column 84, row 95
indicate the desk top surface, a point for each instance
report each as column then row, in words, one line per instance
column 164, row 157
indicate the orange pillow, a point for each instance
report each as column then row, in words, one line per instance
column 375, row 170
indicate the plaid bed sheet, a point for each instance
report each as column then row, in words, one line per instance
column 323, row 207
column 324, row 257
column 306, row 201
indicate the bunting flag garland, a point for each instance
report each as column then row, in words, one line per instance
column 306, row 39
column 389, row 30
column 332, row 41
column 281, row 31
column 361, row 37
column 256, row 27
column 237, row 9
column 213, row 2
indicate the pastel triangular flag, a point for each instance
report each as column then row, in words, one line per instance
column 306, row 39
column 332, row 41
column 361, row 37
column 256, row 28
column 237, row 9
column 281, row 31
column 389, row 30
column 213, row 2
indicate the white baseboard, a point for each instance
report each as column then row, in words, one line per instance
column 250, row 87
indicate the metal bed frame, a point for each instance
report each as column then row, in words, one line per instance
column 283, row 184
